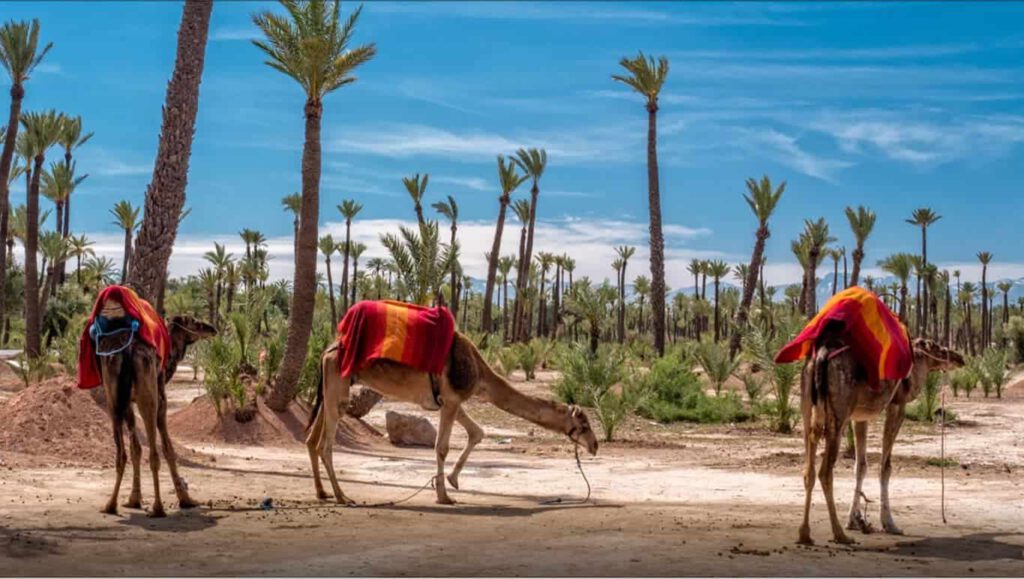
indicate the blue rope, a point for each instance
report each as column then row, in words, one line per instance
column 97, row 332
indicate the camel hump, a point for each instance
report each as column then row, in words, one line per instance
column 463, row 373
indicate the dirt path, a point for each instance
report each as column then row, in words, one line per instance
column 681, row 500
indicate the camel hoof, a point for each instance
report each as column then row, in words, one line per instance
column 345, row 501
column 805, row 541
column 893, row 530
column 158, row 512
column 860, row 523
column 187, row 503
column 133, row 504
column 110, row 509
column 445, row 501
column 454, row 481
column 323, row 496
column 843, row 539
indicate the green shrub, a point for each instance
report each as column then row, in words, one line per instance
column 1015, row 332
column 718, row 366
column 613, row 405
column 507, row 359
column 964, row 379
column 674, row 393
column 923, row 409
column 760, row 349
column 991, row 371
column 584, row 375
column 528, row 357
column 754, row 385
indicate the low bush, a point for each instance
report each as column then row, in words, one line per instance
column 717, row 364
column 614, row 404
column 585, row 375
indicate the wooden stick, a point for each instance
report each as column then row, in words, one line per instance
column 942, row 458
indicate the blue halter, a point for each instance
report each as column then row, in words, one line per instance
column 99, row 329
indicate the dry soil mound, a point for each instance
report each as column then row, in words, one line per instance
column 55, row 419
column 199, row 422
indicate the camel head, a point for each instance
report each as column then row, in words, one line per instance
column 579, row 429
column 186, row 330
column 936, row 357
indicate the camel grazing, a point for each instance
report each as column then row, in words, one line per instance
column 833, row 393
column 134, row 375
column 465, row 374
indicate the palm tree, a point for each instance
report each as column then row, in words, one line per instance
column 310, row 45
column 421, row 262
column 356, row 250
column 450, row 211
column 816, row 236
column 505, row 265
column 80, row 247
column 545, row 260
column 510, row 180
column 417, row 188
column 19, row 55
column 862, row 221
column 165, row 196
column 717, row 270
column 54, row 250
column 127, row 218
column 589, row 305
column 986, row 337
column 220, row 259
column 762, row 199
column 1004, row 287
column 57, row 186
column 900, row 265
column 642, row 287
column 647, row 77
column 625, row 253
column 232, row 275
column 521, row 207
column 327, row 247
column 348, row 209
column 966, row 297
column 293, row 204
column 923, row 217
column 532, row 162
column 41, row 132
column 71, row 138
column 835, row 254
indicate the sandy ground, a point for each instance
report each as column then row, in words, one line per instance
column 679, row 500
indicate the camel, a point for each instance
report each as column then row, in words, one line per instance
column 465, row 374
column 134, row 375
column 833, row 393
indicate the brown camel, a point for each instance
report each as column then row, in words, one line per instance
column 465, row 374
column 134, row 375
column 833, row 393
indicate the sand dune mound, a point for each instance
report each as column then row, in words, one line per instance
column 199, row 422
column 56, row 420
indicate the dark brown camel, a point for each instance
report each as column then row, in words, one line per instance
column 832, row 396
column 133, row 375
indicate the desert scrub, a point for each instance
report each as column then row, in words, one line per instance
column 760, row 349
column 964, row 380
column 507, row 360
column 614, row 404
column 585, row 374
column 992, row 371
column 1015, row 332
column 673, row 393
column 718, row 366
column 924, row 408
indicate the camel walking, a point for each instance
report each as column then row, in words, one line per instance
column 833, row 394
column 134, row 375
column 466, row 373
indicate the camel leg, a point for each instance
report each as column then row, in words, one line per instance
column 894, row 415
column 833, row 439
column 135, row 498
column 858, row 520
column 313, row 443
column 120, row 458
column 475, row 434
column 811, row 435
column 335, row 399
column 444, row 433
column 180, row 489
column 146, row 400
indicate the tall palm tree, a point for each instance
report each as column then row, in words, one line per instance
column 356, row 250
column 293, row 204
column 986, row 331
column 521, row 207
column 80, row 247
column 327, row 247
column 220, row 259
column 532, row 162
column 310, row 45
column 505, row 265
column 510, row 180
column 923, row 217
column 20, row 53
column 54, row 250
column 165, row 196
column 57, row 185
column 900, row 265
column 762, row 199
column 450, row 210
column 71, row 138
column 835, row 254
column 544, row 261
column 417, row 188
column 421, row 262
column 646, row 77
column 127, row 218
column 717, row 269
column 41, row 132
column 966, row 297
column 348, row 209
column 1004, row 287
column 625, row 253
column 642, row 287
column 862, row 221
column 817, row 236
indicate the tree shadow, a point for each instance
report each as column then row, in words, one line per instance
column 968, row 548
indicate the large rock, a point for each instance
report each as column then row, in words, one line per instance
column 362, row 401
column 408, row 430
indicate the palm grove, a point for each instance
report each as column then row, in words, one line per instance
column 531, row 311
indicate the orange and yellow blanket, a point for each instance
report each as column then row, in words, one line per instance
column 875, row 335
column 415, row 336
column 152, row 331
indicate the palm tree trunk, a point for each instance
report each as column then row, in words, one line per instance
column 165, row 196
column 622, row 304
column 835, row 276
column 33, row 341
column 453, row 284
column 657, row 240
column 344, row 267
column 330, row 292
column 355, row 278
column 127, row 254
column 67, row 226
column 984, row 307
column 6, row 159
column 300, row 320
column 718, row 334
column 492, row 266
column 858, row 256
column 504, row 311
column 743, row 312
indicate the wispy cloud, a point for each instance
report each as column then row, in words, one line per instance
column 475, row 183
column 49, row 68
column 860, row 53
column 229, row 34
column 116, row 168
column 786, row 150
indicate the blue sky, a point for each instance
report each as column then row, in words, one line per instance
column 893, row 106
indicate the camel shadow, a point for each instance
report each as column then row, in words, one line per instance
column 492, row 510
column 175, row 522
column 27, row 543
column 968, row 548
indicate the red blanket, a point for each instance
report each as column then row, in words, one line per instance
column 875, row 335
column 416, row 336
column 152, row 331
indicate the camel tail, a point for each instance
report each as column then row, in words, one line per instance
column 125, row 380
column 819, row 375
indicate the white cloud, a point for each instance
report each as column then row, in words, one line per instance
column 785, row 149
column 229, row 34
column 49, row 68
column 475, row 183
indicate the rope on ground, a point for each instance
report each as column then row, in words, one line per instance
column 429, row 483
column 579, row 467
column 942, row 458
